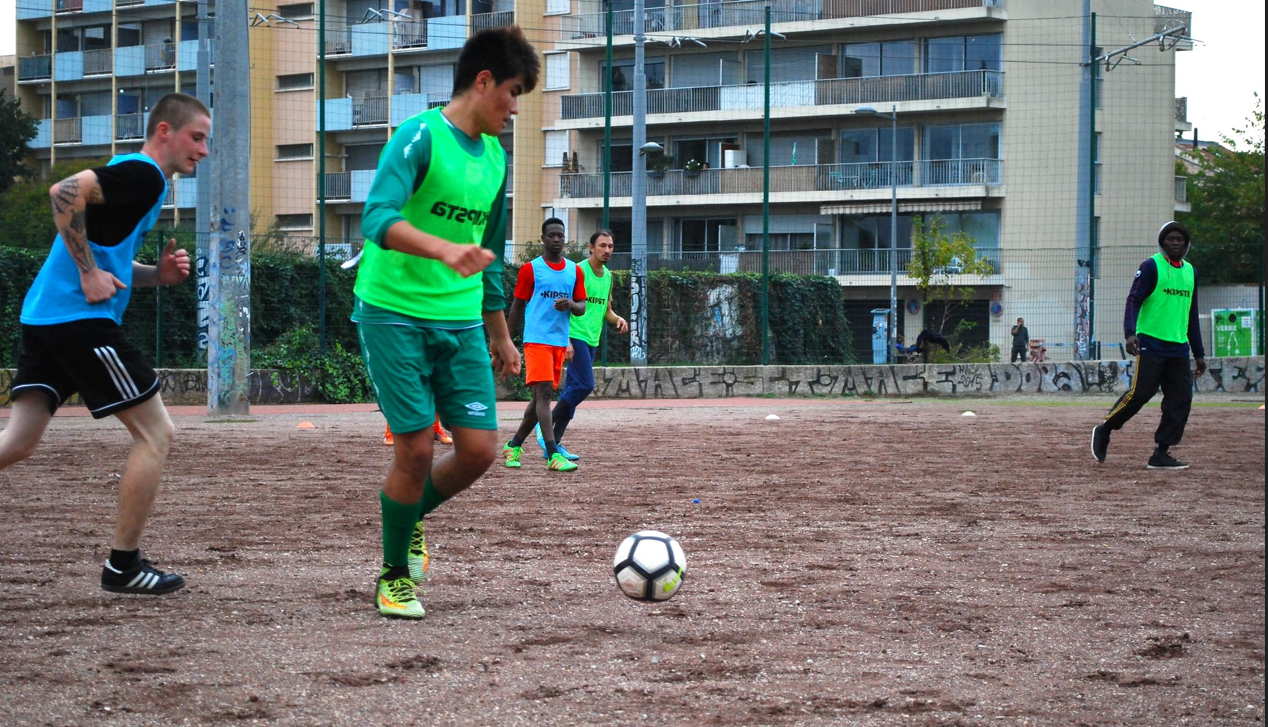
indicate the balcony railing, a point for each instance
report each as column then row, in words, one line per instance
column 370, row 111
column 804, row 178
column 70, row 6
column 129, row 126
column 160, row 57
column 950, row 172
column 485, row 21
column 68, row 131
column 827, row 92
column 339, row 41
column 1166, row 18
column 1182, row 109
column 409, row 34
column 338, row 186
column 1182, row 189
column 99, row 62
column 35, row 68
column 749, row 13
column 829, row 261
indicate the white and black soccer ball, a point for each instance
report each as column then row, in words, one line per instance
column 649, row 566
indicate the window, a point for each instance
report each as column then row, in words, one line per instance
column 786, row 64
column 706, row 151
column 97, row 37
column 556, row 148
column 294, row 151
column 362, row 156
column 129, row 34
column 558, row 7
column 704, row 69
column 67, row 40
column 708, row 235
column 895, row 58
column 298, row 11
column 557, row 71
column 623, row 74
column 622, row 155
column 189, row 29
column 962, row 53
column 295, row 222
column 294, row 81
column 95, row 104
column 962, row 141
column 875, row 145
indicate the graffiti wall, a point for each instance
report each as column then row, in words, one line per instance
column 1224, row 376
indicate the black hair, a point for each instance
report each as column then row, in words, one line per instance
column 601, row 233
column 553, row 221
column 504, row 52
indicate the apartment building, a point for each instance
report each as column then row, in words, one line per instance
column 987, row 95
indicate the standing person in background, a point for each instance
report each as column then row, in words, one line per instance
column 584, row 332
column 429, row 287
column 548, row 292
column 71, row 335
column 1161, row 328
column 1021, row 341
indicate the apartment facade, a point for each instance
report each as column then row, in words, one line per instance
column 987, row 95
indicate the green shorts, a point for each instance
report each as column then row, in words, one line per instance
column 418, row 372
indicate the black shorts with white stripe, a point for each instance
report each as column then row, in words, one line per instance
column 89, row 357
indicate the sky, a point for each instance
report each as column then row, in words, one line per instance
column 1218, row 76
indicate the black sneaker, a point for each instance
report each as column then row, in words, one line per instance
column 142, row 578
column 1164, row 461
column 1100, row 441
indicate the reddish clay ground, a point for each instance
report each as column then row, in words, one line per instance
column 850, row 564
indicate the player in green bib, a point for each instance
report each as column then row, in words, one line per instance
column 434, row 218
column 1161, row 328
column 583, row 338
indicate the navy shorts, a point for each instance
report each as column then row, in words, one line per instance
column 89, row 357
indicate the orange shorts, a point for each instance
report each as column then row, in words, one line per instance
column 543, row 362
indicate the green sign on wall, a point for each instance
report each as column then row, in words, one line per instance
column 1233, row 331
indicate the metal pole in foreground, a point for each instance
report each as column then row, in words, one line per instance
column 321, row 174
column 638, row 203
column 202, row 215
column 229, row 260
column 893, row 238
column 766, row 197
column 607, row 159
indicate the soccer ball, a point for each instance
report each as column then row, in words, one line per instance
column 649, row 566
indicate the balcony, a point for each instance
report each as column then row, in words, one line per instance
column 99, row 62
column 486, row 21
column 409, row 34
column 751, row 13
column 187, row 55
column 129, row 127
column 1182, row 195
column 1166, row 18
column 181, row 193
column 43, row 134
column 750, row 98
column 350, row 187
column 787, row 181
column 35, row 68
column 370, row 111
column 69, row 6
column 160, row 57
column 68, row 131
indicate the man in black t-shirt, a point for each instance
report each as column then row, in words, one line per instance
column 71, row 339
column 1021, row 341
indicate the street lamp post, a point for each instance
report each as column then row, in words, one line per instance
column 893, row 223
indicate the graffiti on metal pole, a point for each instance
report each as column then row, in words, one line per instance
column 1082, row 312
column 638, row 309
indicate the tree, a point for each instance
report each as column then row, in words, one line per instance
column 941, row 265
column 1227, row 199
column 16, row 129
column 26, row 214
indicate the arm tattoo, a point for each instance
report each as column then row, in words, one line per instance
column 74, row 231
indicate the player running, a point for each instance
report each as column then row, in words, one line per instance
column 435, row 217
column 71, row 336
column 584, row 332
column 548, row 292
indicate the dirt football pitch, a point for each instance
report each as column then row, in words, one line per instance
column 851, row 563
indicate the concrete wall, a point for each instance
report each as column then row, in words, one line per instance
column 1225, row 377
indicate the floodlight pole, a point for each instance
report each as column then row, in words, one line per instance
column 638, row 203
column 229, row 260
column 766, row 195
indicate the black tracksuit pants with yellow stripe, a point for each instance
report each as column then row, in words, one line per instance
column 1175, row 379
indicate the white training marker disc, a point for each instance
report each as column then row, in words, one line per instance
column 772, row 417
column 968, row 414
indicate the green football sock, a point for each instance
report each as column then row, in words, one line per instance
column 432, row 498
column 399, row 520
